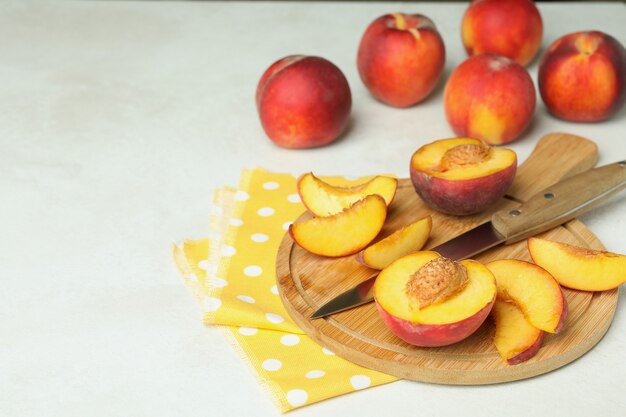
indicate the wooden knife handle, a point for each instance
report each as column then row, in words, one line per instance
column 561, row 202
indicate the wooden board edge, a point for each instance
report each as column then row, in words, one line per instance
column 452, row 377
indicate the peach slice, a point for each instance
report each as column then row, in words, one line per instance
column 534, row 290
column 462, row 176
column 323, row 199
column 516, row 339
column 408, row 239
column 343, row 233
column 428, row 300
column 579, row 268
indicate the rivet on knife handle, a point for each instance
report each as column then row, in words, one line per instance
column 561, row 202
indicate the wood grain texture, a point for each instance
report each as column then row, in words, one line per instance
column 306, row 281
column 561, row 202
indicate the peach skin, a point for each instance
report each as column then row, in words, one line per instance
column 401, row 58
column 582, row 77
column 428, row 300
column 489, row 97
column 512, row 28
column 303, row 102
column 462, row 176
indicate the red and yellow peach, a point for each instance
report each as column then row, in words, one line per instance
column 401, row 58
column 582, row 77
column 427, row 300
column 462, row 176
column 303, row 102
column 489, row 97
column 512, row 28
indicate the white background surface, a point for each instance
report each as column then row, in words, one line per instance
column 117, row 119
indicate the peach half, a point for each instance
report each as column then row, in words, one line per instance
column 579, row 268
column 411, row 238
column 462, row 176
column 516, row 339
column 323, row 199
column 343, row 233
column 533, row 290
column 428, row 300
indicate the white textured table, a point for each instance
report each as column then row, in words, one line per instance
column 117, row 120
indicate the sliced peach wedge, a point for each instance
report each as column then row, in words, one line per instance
column 516, row 339
column 323, row 199
column 344, row 233
column 409, row 239
column 429, row 300
column 533, row 290
column 579, row 268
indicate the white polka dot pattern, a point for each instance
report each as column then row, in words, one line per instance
column 297, row 397
column 265, row 211
column 290, row 340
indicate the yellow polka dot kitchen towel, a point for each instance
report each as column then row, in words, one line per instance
column 232, row 274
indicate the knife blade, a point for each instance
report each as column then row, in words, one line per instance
column 547, row 209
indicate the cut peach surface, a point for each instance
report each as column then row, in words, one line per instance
column 449, row 317
column 534, row 290
column 461, row 159
column 323, row 199
column 462, row 176
column 579, row 268
column 516, row 339
column 343, row 233
column 410, row 238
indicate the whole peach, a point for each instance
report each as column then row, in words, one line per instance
column 401, row 58
column 489, row 97
column 303, row 101
column 582, row 77
column 512, row 28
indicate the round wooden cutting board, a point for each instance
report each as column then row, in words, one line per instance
column 306, row 281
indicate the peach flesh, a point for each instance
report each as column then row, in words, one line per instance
column 408, row 239
column 534, row 290
column 579, row 268
column 323, row 199
column 438, row 324
column 343, row 233
column 462, row 188
column 516, row 340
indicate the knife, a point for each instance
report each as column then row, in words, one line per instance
column 547, row 209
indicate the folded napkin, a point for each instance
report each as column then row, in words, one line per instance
column 232, row 274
